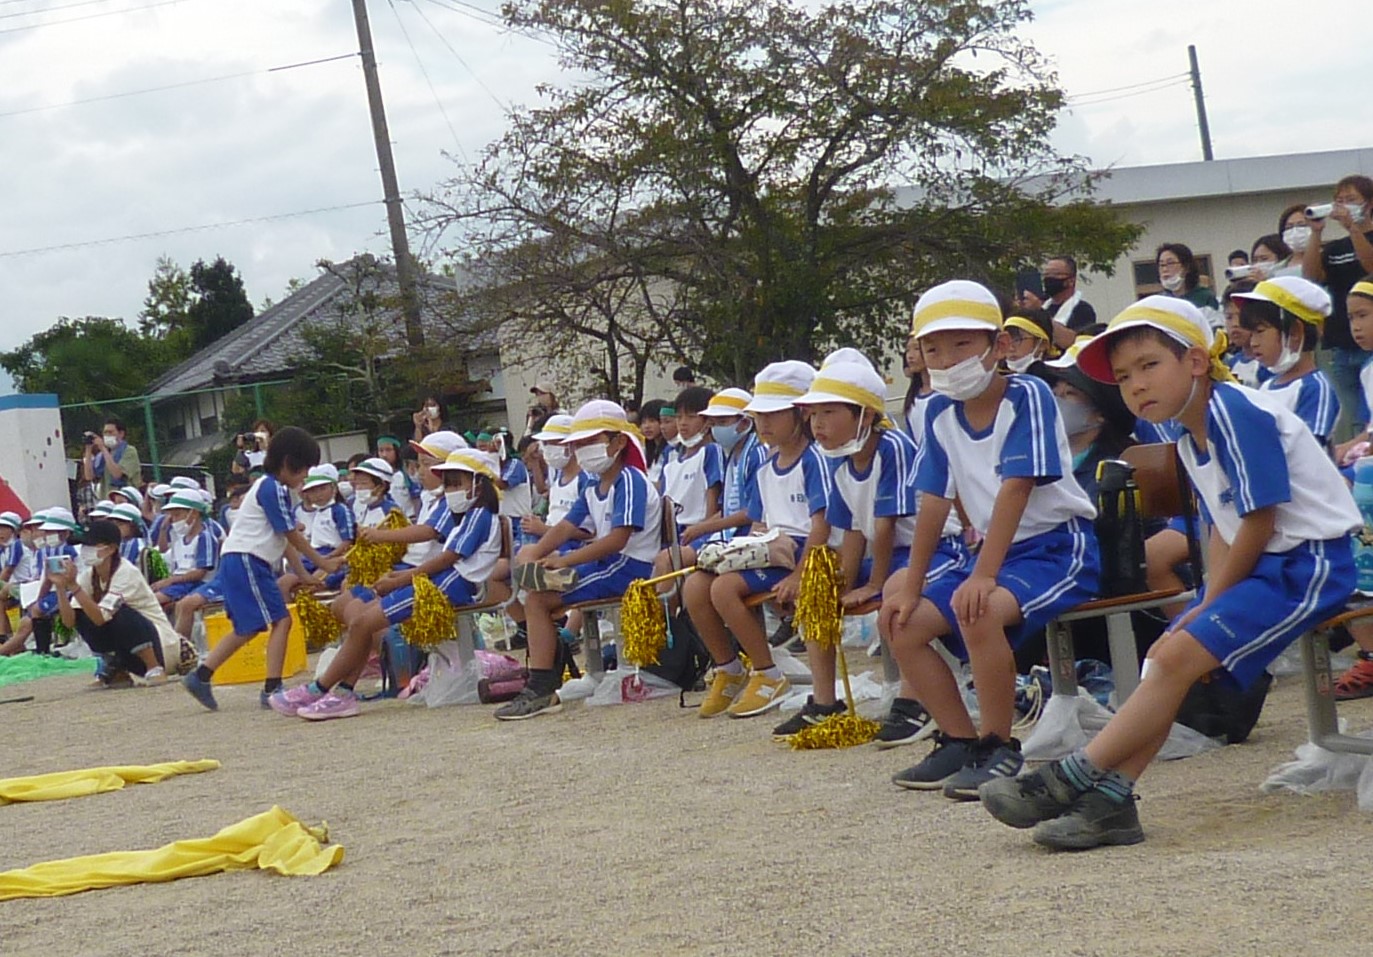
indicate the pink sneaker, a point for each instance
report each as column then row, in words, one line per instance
column 288, row 701
column 331, row 706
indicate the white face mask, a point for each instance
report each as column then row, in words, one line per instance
column 458, row 501
column 345, row 489
column 432, row 411
column 690, row 443
column 1077, row 418
column 965, row 380
column 852, row 447
column 111, row 441
column 363, row 496
column 1173, row 283
column 556, row 457
column 595, row 459
column 1355, row 211
column 89, row 556
column 1297, row 237
column 180, row 529
column 1287, row 358
column 1023, row 363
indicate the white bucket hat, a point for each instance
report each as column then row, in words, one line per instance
column 727, row 403
column 778, row 385
column 379, row 469
column 957, row 304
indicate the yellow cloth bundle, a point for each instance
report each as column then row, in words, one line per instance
column 60, row 785
column 271, row 841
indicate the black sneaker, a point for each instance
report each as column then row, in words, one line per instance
column 992, row 758
column 529, row 704
column 520, row 639
column 1094, row 820
column 784, row 633
column 941, row 764
column 906, row 723
column 809, row 715
column 1026, row 801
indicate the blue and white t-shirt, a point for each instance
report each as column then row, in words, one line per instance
column 1312, row 398
column 885, row 490
column 200, row 552
column 1026, row 439
column 564, row 493
column 1259, row 453
column 915, row 428
column 688, row 476
column 330, row 526
column 11, row 555
column 477, row 542
column 374, row 513
column 631, row 503
column 788, row 497
column 741, row 475
column 1151, row 433
column 517, row 498
column 27, row 568
column 264, row 519
column 1366, row 391
column 131, row 549
column 434, row 513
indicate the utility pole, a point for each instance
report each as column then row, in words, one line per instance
column 395, row 213
column 1206, row 153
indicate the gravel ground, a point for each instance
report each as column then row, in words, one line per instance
column 643, row 830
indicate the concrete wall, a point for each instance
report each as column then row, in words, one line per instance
column 32, row 456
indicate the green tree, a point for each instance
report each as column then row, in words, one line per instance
column 796, row 175
column 221, row 305
column 167, row 308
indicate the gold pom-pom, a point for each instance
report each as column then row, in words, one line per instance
column 319, row 624
column 643, row 629
column 818, row 612
column 368, row 561
column 837, row 731
column 434, row 621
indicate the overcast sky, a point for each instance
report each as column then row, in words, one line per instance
column 1278, row 79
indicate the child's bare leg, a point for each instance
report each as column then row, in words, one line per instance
column 926, row 673
column 709, row 625
column 993, row 663
column 185, row 614
column 543, row 636
column 1131, row 739
column 15, row 644
column 727, row 594
column 1162, row 552
column 276, row 648
column 1362, row 633
column 356, row 646
column 822, row 672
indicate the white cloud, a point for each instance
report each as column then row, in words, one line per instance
column 301, row 139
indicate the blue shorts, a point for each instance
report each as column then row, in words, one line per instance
column 252, row 599
column 333, row 581
column 606, row 578
column 1251, row 623
column 1047, row 574
column 399, row 605
column 366, row 593
column 208, row 591
column 948, row 555
column 759, row 580
column 700, row 541
column 179, row 590
column 47, row 605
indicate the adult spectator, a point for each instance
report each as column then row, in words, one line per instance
column 1071, row 314
column 108, row 601
column 1338, row 265
column 109, row 461
column 683, row 377
column 1271, row 257
column 432, row 417
column 252, row 447
column 1237, row 257
column 1181, row 277
column 1295, row 231
column 545, row 404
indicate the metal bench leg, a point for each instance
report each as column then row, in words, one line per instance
column 1322, row 723
column 1062, row 660
column 891, row 674
column 591, row 644
column 1120, row 634
column 467, row 639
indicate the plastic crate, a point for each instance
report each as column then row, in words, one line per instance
column 249, row 663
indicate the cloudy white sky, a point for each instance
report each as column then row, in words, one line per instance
column 1279, row 78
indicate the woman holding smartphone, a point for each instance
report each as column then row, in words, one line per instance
column 108, row 601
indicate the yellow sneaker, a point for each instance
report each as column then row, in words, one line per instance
column 760, row 695
column 724, row 688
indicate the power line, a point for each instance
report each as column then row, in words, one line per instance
column 178, row 86
column 1131, row 86
column 1126, row 96
column 186, row 229
column 504, row 107
column 430, row 83
column 490, row 19
column 91, row 16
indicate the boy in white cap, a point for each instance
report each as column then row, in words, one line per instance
column 872, row 504
column 1280, row 518
column 193, row 552
column 58, row 526
column 793, row 488
column 998, row 445
column 1284, row 318
column 459, row 569
column 11, row 554
column 372, row 500
column 624, row 512
column 733, row 431
column 26, row 571
column 129, row 521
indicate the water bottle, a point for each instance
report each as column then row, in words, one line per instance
column 1363, row 537
column 1120, row 530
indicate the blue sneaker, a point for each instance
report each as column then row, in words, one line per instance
column 200, row 691
column 992, row 758
column 939, row 766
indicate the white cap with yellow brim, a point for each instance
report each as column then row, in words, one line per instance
column 556, row 428
column 728, row 403
column 956, row 304
column 1174, row 317
column 474, row 461
column 779, row 384
column 848, row 382
column 439, row 445
column 1301, row 297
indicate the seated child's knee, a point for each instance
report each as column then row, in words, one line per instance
column 727, row 588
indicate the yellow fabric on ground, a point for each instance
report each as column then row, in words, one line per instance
column 273, row 840
column 69, row 784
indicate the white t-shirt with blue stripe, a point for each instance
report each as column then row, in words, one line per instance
column 631, row 502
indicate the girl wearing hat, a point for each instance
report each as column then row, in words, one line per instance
column 460, row 570
column 623, row 512
column 1030, row 332
column 372, row 500
column 733, row 431
column 1357, row 681
column 129, row 521
column 792, row 492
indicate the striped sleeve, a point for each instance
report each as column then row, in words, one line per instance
column 630, row 505
column 1248, row 447
column 1317, row 406
column 1031, row 446
column 896, row 494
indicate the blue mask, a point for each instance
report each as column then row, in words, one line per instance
column 727, row 436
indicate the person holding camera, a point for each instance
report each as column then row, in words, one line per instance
column 431, row 418
column 108, row 460
column 252, row 447
column 1338, row 265
column 112, row 607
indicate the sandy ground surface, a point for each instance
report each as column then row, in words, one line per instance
column 643, row 830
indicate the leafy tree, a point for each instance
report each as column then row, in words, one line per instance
column 166, row 310
column 221, row 305
column 796, row 175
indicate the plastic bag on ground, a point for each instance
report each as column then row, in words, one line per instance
column 860, row 630
column 1317, row 769
column 626, row 685
column 1067, row 724
column 450, row 682
column 866, row 687
column 796, row 669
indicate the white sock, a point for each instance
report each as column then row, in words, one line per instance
column 772, row 672
column 731, row 667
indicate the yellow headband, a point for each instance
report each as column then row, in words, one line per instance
column 778, row 389
column 557, row 429
column 956, row 309
column 606, row 424
column 1025, row 325
column 1362, row 288
column 1181, row 329
column 1286, row 300
column 849, row 392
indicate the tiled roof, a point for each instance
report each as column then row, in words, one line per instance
column 271, row 344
